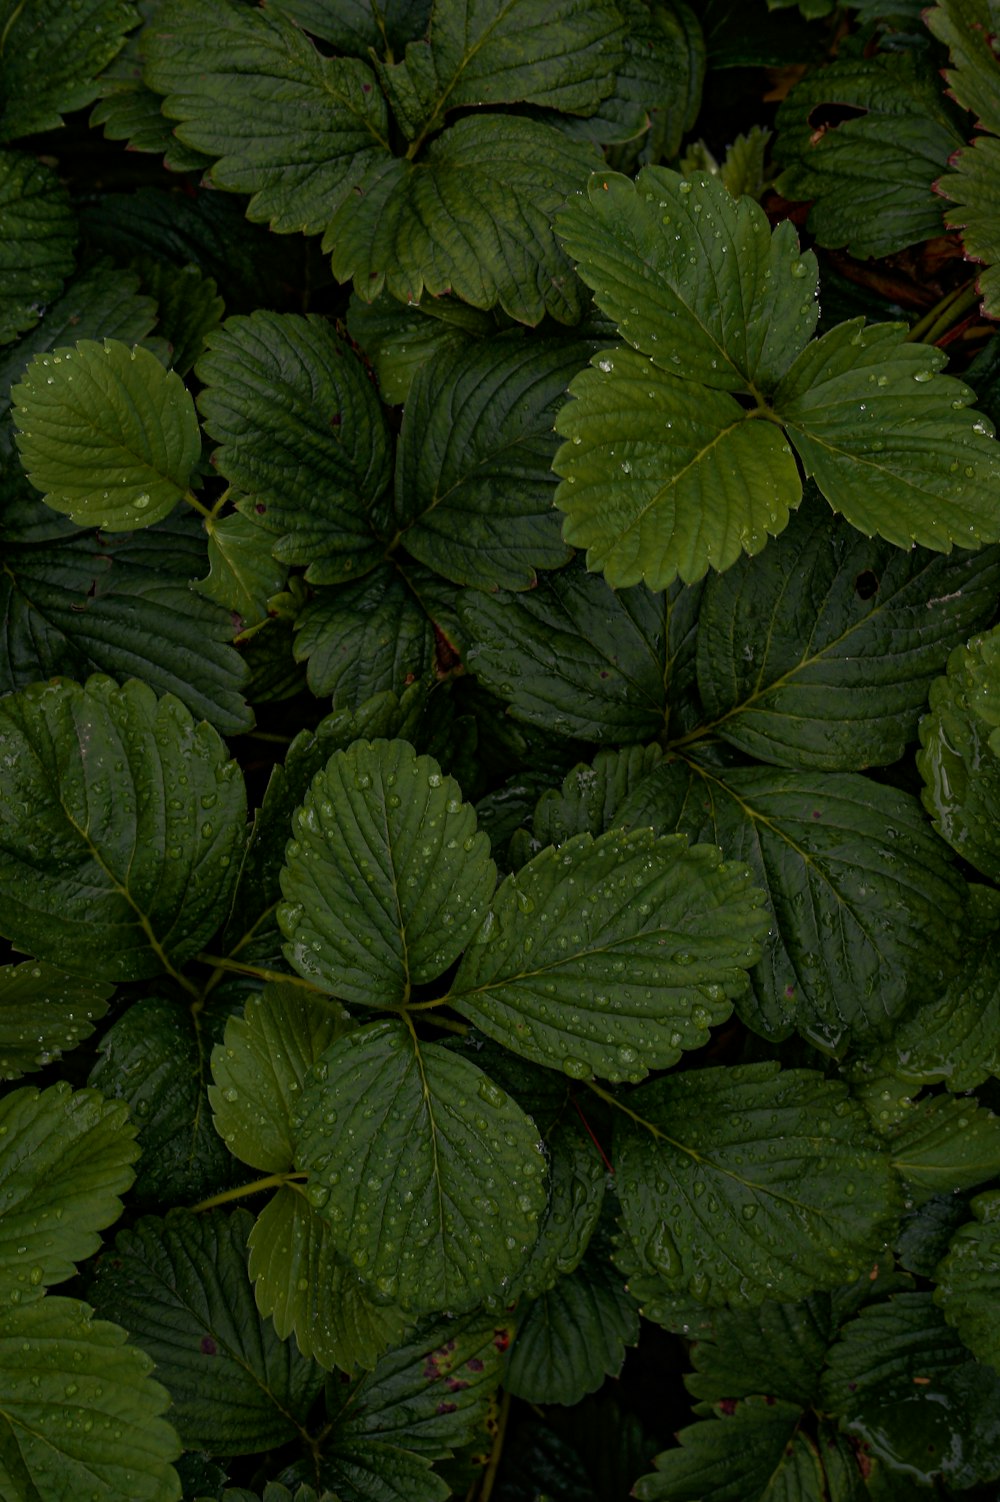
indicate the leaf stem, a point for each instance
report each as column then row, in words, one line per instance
column 257, row 972
column 944, row 314
column 493, row 1465
column 193, row 500
column 242, row 1191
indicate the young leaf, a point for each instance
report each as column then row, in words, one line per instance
column 968, row 1280
column 40, row 234
column 752, row 1183
column 399, row 338
column 430, row 1177
column 180, row 1287
column 51, row 57
column 386, row 879
column 960, row 756
column 612, row 956
column 113, row 877
column 106, row 434
column 189, row 308
column 65, row 1157
column 243, row 573
column 80, row 1410
column 44, row 1013
column 660, row 80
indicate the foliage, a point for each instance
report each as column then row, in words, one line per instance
column 499, row 750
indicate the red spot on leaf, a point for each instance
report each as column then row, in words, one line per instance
column 208, row 1346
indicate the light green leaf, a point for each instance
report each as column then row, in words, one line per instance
column 386, row 879
column 107, row 878
column 310, row 1293
column 743, row 169
column 261, row 1067
column 365, row 638
column 474, row 480
column 890, row 442
column 752, row 1183
column 960, row 756
column 180, row 1288
column 106, row 434
column 612, row 956
column 80, row 1414
column 302, row 433
column 867, row 908
column 122, row 605
column 865, row 138
column 944, row 1145
column 399, row 338
column 430, row 1177
column 243, row 573
column 40, row 234
column 155, row 1058
column 51, row 58
column 293, row 128
column 839, row 684
column 590, row 795
column 44, row 1013
column 472, row 217
column 65, row 1158
column 968, row 1280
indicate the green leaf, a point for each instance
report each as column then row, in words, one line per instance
column 365, row 638
column 310, row 1293
column 660, row 80
column 106, row 877
column 44, row 1013
column 752, row 1183
column 80, row 1414
column 180, row 1287
column 155, row 1058
column 473, row 217
column 474, row 481
column 590, row 795
column 122, row 605
column 904, row 1382
column 40, row 234
column 293, row 128
column 301, row 432
column 429, row 1175
column 51, row 57
column 399, row 339
column 865, row 138
column 945, row 1145
column 386, row 879
column 189, row 308
column 839, row 684
column 117, row 450
column 243, row 573
column 867, row 908
column 890, row 442
column 576, row 1194
column 65, row 1159
column 968, row 1280
column 960, row 756
column 370, row 1471
column 356, row 25
column 612, row 956
column 261, row 1067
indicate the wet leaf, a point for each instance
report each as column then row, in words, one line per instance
column 968, row 1280
column 44, row 1013
column 40, row 234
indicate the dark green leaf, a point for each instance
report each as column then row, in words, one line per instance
column 51, row 57
column 386, row 879
column 356, row 25
column 590, row 796
column 576, row 1194
column 943, row 1145
column 44, row 1013
column 612, row 956
column 243, row 573
column 365, row 638
column 751, row 1453
column 65, row 1158
column 181, row 1289
column 398, row 338
column 189, row 308
column 925, row 1233
column 39, row 238
column 660, row 79
column 113, row 876
column 969, row 1278
column 430, row 1176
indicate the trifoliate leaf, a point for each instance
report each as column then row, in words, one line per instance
column 243, row 573
column 293, row 128
column 260, row 1069
column 399, row 338
column 122, row 605
column 943, row 1145
column 472, row 217
column 867, row 908
column 865, row 138
column 590, row 795
column 65, row 1158
column 890, row 442
column 155, row 1058
column 960, row 756
column 841, row 684
column 752, row 1183
column 430, row 1177
column 106, row 872
column 310, row 1293
column 52, row 55
column 474, row 478
column 902, row 1380
column 386, row 879
column 301, row 432
column 969, row 1278
column 180, row 1288
column 44, row 1013
column 107, row 435
column 79, row 1410
column 40, row 234
column 612, row 956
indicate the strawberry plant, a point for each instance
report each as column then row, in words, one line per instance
column 500, row 749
